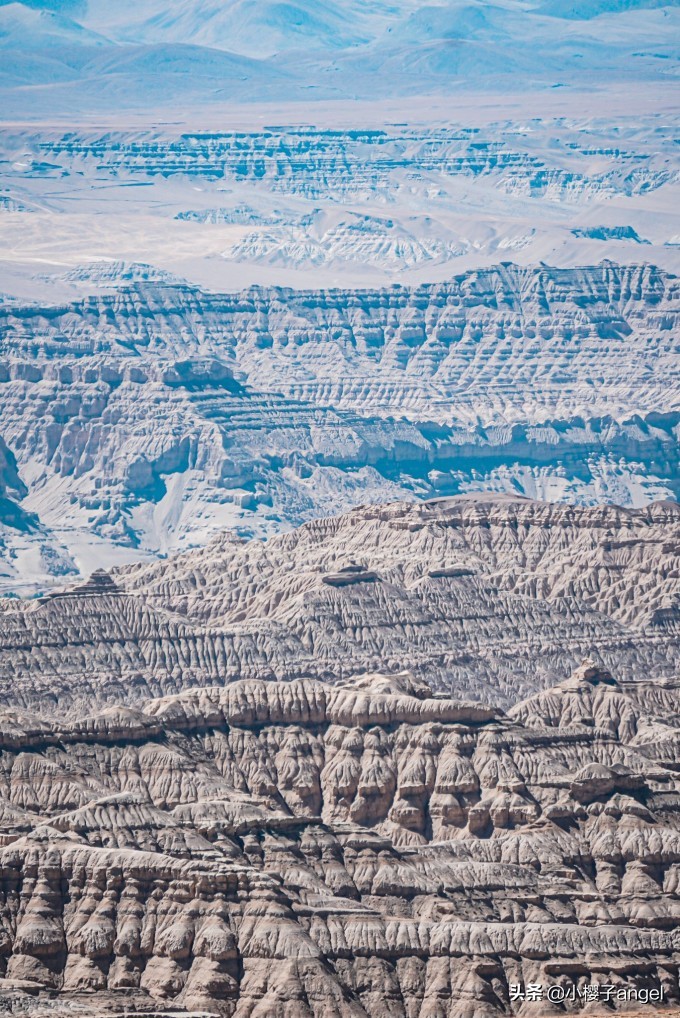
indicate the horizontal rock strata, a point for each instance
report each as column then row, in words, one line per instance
column 358, row 850
column 152, row 416
column 487, row 598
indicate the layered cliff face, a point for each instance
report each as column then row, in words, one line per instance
column 143, row 420
column 349, row 202
column 491, row 598
column 317, row 163
column 362, row 850
column 179, row 834
column 482, row 338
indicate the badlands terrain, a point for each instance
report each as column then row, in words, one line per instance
column 303, row 293
column 137, row 422
column 303, row 850
column 491, row 598
column 339, row 521
column 265, row 321
column 357, row 770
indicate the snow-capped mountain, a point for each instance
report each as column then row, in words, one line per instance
column 130, row 55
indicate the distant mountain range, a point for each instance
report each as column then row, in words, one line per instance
column 130, row 54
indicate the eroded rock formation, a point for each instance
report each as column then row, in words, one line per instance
column 489, row 598
column 153, row 416
column 367, row 849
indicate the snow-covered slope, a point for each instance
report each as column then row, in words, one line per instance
column 257, row 28
column 326, row 205
column 130, row 54
column 585, row 9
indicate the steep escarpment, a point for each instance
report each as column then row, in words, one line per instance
column 311, row 850
column 316, row 163
column 483, row 336
column 490, row 598
column 26, row 546
column 147, row 418
column 622, row 562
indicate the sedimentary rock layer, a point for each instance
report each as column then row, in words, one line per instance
column 150, row 417
column 301, row 849
column 489, row 598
